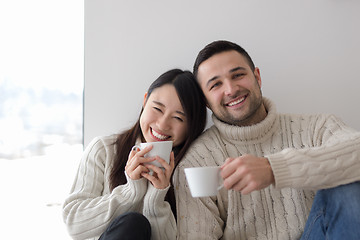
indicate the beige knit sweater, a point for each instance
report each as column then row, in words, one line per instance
column 91, row 206
column 306, row 152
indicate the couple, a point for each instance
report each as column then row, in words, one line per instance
column 286, row 176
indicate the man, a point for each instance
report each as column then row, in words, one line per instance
column 272, row 164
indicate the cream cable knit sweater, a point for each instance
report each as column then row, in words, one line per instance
column 306, row 152
column 91, row 206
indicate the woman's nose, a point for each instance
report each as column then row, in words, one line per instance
column 163, row 123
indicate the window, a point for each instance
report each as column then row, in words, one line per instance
column 41, row 93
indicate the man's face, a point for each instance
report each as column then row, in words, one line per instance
column 232, row 89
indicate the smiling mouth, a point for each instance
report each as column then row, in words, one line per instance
column 236, row 101
column 159, row 136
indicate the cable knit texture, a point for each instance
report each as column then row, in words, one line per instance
column 91, row 206
column 306, row 153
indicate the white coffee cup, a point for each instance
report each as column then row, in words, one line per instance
column 204, row 181
column 161, row 149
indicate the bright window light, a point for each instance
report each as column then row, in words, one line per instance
column 41, row 118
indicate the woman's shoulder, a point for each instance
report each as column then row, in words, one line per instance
column 108, row 139
column 102, row 141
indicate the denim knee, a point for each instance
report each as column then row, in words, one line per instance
column 347, row 195
column 335, row 214
column 342, row 216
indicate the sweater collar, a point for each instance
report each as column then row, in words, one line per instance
column 249, row 133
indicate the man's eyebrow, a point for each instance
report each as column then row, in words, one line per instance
column 162, row 105
column 230, row 71
column 211, row 80
column 236, row 69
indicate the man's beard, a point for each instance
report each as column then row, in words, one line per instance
column 245, row 120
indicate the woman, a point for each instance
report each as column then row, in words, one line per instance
column 113, row 193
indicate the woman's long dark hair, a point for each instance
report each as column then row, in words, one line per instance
column 193, row 102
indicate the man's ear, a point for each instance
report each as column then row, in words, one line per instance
column 257, row 76
column 145, row 96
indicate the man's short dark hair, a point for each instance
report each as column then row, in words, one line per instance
column 219, row 47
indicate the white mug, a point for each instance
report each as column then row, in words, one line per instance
column 161, row 149
column 204, row 181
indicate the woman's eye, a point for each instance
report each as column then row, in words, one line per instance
column 157, row 109
column 179, row 119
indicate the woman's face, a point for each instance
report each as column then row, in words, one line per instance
column 163, row 117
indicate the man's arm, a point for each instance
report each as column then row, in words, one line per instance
column 247, row 173
column 333, row 160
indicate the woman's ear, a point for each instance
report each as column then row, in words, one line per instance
column 145, row 96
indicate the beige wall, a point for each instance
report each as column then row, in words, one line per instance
column 308, row 52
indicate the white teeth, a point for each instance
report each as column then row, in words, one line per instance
column 236, row 102
column 158, row 135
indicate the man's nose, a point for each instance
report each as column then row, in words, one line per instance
column 229, row 87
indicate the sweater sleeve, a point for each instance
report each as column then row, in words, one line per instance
column 197, row 218
column 159, row 214
column 87, row 211
column 333, row 161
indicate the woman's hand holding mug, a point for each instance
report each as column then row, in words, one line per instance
column 160, row 177
column 135, row 164
column 153, row 161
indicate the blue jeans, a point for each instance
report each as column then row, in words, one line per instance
column 335, row 214
column 128, row 226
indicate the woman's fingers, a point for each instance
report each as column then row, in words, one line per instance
column 161, row 176
column 136, row 151
column 139, row 170
column 172, row 160
column 135, row 164
column 132, row 153
column 158, row 173
column 144, row 151
column 138, row 166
